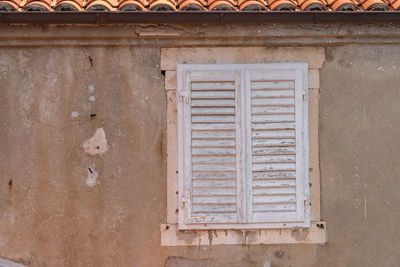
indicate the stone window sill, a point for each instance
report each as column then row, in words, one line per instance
column 171, row 236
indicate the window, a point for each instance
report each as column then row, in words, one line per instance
column 234, row 73
column 243, row 146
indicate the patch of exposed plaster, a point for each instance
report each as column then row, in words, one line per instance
column 97, row 144
column 92, row 175
column 267, row 264
column 74, row 114
column 7, row 263
column 91, row 88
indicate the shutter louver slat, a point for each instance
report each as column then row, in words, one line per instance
column 213, row 148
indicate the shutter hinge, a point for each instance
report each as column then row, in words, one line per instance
column 305, row 201
column 304, row 96
column 184, row 94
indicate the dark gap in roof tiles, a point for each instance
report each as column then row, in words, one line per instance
column 282, row 5
column 312, row 5
column 253, row 7
column 343, row 5
column 223, row 7
column 68, row 5
column 285, row 7
column 6, row 7
column 378, row 7
column 161, row 7
column 191, row 7
column 98, row 8
column 65, row 7
column 315, row 7
column 130, row 7
column 347, row 7
column 35, row 7
column 374, row 5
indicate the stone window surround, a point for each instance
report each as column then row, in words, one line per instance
column 170, row 57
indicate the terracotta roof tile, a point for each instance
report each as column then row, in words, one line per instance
column 252, row 5
column 38, row 5
column 162, row 5
column 191, row 5
column 68, row 5
column 199, row 5
column 282, row 5
column 377, row 5
column 312, row 5
column 395, row 4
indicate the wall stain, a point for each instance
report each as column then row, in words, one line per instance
column 300, row 234
column 188, row 236
column 251, row 236
column 173, row 261
column 279, row 254
column 161, row 144
column 210, row 237
column 91, row 61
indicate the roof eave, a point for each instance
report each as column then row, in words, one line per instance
column 207, row 17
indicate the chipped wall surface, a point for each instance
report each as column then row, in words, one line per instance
column 83, row 155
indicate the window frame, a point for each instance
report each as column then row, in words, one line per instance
column 186, row 73
column 169, row 58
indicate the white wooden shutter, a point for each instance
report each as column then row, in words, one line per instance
column 276, row 115
column 243, row 151
column 211, row 147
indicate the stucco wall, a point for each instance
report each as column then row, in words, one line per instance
column 51, row 216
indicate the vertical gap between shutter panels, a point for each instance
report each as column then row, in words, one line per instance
column 247, row 145
column 241, row 151
column 213, row 135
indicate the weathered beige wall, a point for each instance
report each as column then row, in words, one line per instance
column 359, row 155
column 49, row 216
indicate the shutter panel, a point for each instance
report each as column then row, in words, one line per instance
column 211, row 143
column 275, row 117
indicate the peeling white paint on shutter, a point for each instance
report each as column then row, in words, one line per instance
column 275, row 145
column 211, row 144
column 244, row 151
column 213, row 118
column 272, row 143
